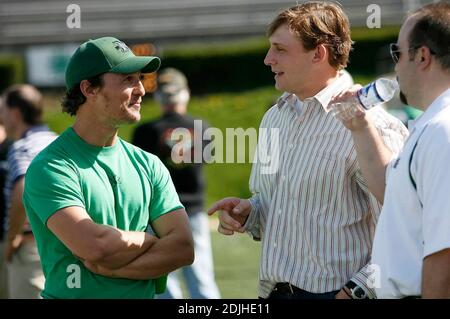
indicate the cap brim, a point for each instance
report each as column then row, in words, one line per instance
column 144, row 64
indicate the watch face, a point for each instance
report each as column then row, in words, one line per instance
column 359, row 293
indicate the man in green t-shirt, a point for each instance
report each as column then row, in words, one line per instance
column 90, row 196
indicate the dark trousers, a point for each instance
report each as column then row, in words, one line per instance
column 287, row 291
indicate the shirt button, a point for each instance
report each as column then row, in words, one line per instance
column 279, row 211
column 275, row 245
column 291, row 146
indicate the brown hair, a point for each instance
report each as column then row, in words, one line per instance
column 318, row 23
column 74, row 98
column 28, row 100
column 432, row 30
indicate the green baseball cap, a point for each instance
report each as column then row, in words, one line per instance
column 103, row 55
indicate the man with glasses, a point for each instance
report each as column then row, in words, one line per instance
column 411, row 250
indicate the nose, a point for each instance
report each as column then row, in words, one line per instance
column 268, row 60
column 139, row 89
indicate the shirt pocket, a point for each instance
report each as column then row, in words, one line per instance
column 319, row 179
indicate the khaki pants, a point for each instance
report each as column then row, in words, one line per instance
column 25, row 277
column 3, row 278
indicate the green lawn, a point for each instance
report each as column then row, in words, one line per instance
column 236, row 262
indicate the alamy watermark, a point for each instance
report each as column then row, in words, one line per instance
column 374, row 19
column 73, row 21
column 74, row 278
column 212, row 146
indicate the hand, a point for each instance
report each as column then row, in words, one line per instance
column 342, row 295
column 12, row 245
column 232, row 215
column 358, row 119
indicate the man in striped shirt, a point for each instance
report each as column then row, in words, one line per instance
column 21, row 110
column 314, row 214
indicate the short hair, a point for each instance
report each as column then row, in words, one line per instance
column 73, row 98
column 318, row 23
column 432, row 30
column 27, row 99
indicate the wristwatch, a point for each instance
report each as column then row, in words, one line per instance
column 356, row 292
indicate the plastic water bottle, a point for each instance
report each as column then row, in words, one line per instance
column 373, row 94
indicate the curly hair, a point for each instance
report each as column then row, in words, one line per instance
column 318, row 23
column 73, row 98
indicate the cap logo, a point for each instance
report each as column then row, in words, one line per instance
column 120, row 46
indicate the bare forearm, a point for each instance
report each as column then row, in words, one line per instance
column 373, row 158
column 16, row 222
column 122, row 247
column 436, row 275
column 166, row 255
column 16, row 212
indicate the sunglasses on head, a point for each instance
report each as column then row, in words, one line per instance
column 395, row 51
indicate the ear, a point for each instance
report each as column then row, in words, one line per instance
column 423, row 57
column 87, row 89
column 320, row 54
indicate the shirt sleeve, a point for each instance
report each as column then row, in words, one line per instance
column 266, row 162
column 18, row 162
column 392, row 132
column 49, row 187
column 251, row 225
column 394, row 135
column 429, row 169
column 164, row 196
column 363, row 279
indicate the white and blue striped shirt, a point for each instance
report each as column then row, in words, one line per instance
column 20, row 155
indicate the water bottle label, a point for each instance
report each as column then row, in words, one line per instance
column 368, row 96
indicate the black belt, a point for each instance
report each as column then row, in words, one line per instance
column 289, row 291
column 285, row 287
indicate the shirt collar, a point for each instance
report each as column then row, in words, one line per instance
column 286, row 99
column 440, row 103
column 344, row 81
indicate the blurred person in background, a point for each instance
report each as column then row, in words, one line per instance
column 411, row 248
column 4, row 146
column 314, row 215
column 101, row 193
column 173, row 95
column 21, row 111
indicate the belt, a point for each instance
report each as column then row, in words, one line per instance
column 285, row 287
column 289, row 290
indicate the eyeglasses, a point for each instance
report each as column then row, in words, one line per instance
column 395, row 51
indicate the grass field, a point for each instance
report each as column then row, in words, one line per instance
column 236, row 262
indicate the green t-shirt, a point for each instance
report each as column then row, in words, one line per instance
column 121, row 186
